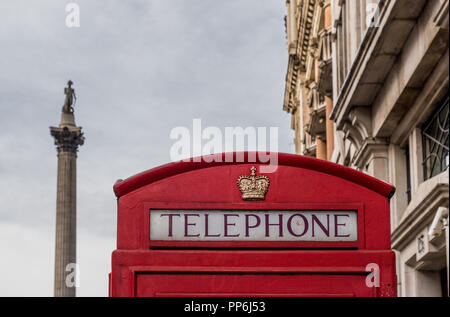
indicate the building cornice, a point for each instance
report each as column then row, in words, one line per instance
column 304, row 30
column 297, row 61
column 356, row 68
column 362, row 83
column 290, row 103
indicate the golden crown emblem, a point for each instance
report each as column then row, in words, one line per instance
column 253, row 187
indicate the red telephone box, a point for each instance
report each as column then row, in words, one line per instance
column 311, row 228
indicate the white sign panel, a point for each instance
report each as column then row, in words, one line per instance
column 253, row 225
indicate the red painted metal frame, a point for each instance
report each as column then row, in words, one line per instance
column 359, row 208
column 274, row 263
column 300, row 183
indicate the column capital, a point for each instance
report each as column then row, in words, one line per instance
column 67, row 139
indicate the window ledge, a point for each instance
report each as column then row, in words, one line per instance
column 430, row 195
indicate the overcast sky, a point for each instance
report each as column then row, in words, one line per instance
column 140, row 68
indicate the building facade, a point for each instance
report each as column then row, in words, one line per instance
column 367, row 87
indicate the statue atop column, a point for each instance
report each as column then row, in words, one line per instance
column 68, row 136
column 70, row 98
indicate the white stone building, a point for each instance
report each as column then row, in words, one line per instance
column 367, row 87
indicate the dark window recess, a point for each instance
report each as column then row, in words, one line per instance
column 408, row 174
column 444, row 282
column 435, row 142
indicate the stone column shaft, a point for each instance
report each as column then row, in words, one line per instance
column 65, row 249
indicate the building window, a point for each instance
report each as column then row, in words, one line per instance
column 408, row 174
column 436, row 142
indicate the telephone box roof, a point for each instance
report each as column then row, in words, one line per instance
column 123, row 187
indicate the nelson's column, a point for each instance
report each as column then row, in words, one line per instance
column 67, row 139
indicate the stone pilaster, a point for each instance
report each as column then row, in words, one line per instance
column 329, row 127
column 321, row 148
